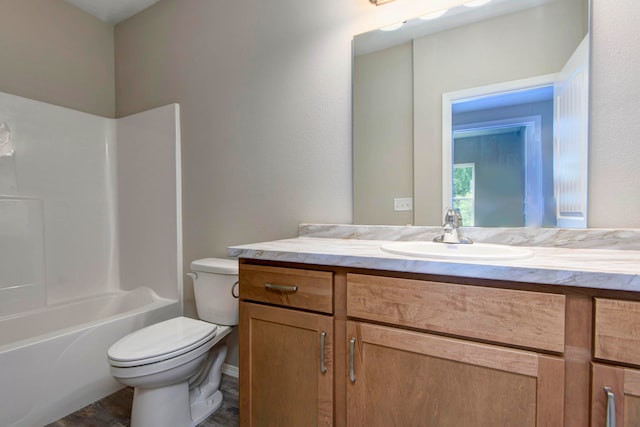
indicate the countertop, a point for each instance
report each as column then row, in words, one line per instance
column 587, row 268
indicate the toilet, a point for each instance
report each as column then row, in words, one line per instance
column 175, row 366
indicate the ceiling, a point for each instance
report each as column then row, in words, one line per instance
column 112, row 11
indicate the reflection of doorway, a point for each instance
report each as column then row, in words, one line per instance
column 507, row 155
column 521, row 109
column 564, row 158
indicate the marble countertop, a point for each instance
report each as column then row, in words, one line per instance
column 588, row 268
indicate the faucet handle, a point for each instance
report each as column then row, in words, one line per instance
column 453, row 216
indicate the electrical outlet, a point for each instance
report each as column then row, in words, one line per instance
column 403, row 204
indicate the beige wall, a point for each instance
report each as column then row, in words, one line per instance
column 382, row 135
column 53, row 52
column 264, row 90
column 614, row 148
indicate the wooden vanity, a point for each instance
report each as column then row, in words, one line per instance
column 345, row 346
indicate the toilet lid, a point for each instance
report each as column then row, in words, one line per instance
column 161, row 341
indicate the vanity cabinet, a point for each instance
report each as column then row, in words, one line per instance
column 347, row 347
column 286, row 354
column 400, row 376
column 615, row 385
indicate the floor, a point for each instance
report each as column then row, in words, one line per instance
column 114, row 410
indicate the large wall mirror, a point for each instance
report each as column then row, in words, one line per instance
column 481, row 108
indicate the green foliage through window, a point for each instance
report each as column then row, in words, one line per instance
column 464, row 192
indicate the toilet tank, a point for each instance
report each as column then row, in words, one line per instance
column 216, row 291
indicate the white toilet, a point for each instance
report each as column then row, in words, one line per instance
column 176, row 365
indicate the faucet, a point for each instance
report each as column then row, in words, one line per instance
column 451, row 229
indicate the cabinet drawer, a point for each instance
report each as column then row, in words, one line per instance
column 289, row 287
column 521, row 318
column 617, row 330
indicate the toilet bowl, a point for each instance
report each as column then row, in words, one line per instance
column 175, row 366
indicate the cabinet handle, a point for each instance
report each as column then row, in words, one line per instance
column 611, row 407
column 323, row 336
column 281, row 287
column 352, row 349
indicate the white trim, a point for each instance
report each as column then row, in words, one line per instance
column 449, row 98
column 230, row 370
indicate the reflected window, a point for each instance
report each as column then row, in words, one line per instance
column 464, row 192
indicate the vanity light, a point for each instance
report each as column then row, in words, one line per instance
column 393, row 27
column 433, row 15
column 476, row 3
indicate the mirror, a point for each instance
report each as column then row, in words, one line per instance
column 495, row 96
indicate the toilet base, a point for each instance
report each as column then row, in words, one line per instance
column 169, row 407
column 201, row 410
column 161, row 407
column 183, row 404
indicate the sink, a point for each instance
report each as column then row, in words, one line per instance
column 475, row 251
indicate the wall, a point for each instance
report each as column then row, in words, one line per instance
column 382, row 135
column 265, row 97
column 53, row 52
column 264, row 90
column 614, row 156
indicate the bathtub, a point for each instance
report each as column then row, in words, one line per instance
column 53, row 360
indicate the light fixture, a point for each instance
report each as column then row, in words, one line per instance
column 433, row 15
column 476, row 3
column 393, row 27
column 379, row 2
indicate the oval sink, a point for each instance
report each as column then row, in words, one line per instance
column 475, row 251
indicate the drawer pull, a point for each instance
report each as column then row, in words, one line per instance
column 281, row 287
column 611, row 407
column 352, row 349
column 323, row 336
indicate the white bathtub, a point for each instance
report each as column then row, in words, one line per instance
column 53, row 361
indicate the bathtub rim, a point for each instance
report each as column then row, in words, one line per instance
column 155, row 303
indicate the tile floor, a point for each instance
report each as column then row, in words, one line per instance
column 114, row 410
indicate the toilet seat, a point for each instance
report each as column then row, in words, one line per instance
column 160, row 342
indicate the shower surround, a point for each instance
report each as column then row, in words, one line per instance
column 90, row 248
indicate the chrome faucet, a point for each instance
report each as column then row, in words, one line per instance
column 451, row 229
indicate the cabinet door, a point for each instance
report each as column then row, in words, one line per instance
column 286, row 367
column 624, row 384
column 405, row 378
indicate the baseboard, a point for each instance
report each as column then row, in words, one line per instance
column 230, row 370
